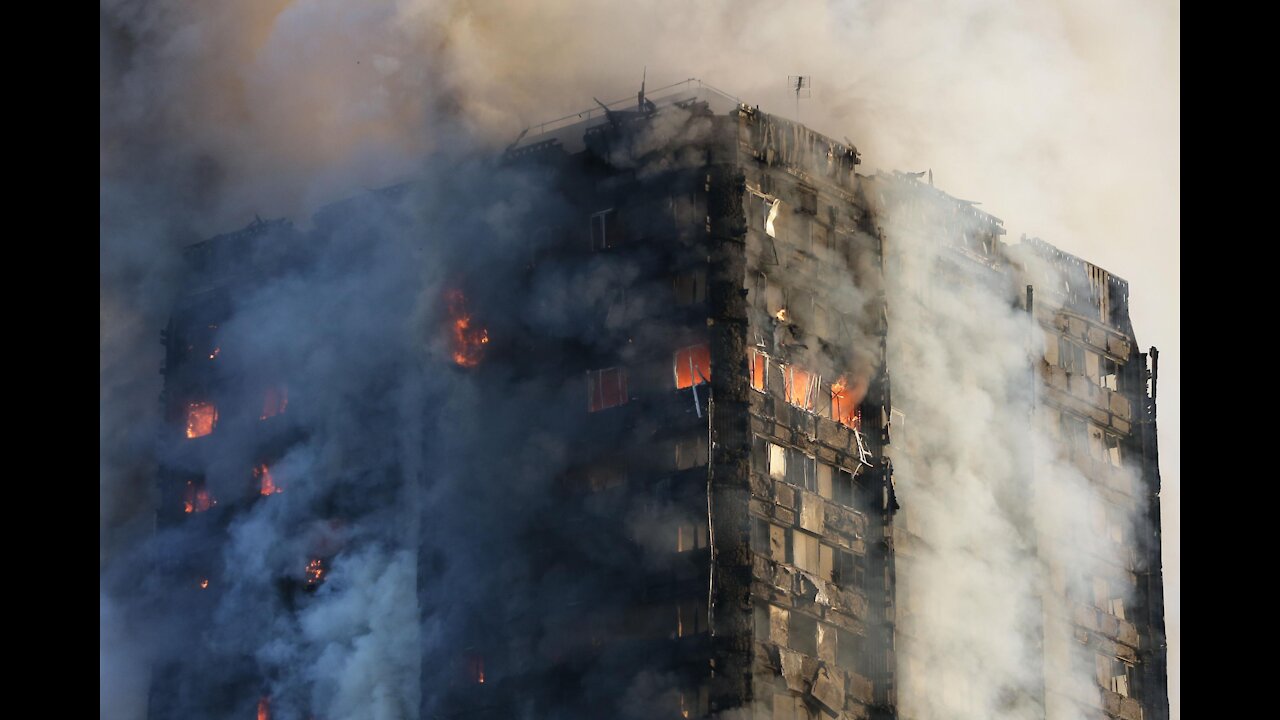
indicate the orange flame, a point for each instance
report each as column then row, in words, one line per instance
column 266, row 484
column 204, row 583
column 201, row 417
column 315, row 572
column 798, row 387
column 274, row 402
column 845, row 401
column 468, row 342
column 693, row 366
column 196, row 498
column 264, row 708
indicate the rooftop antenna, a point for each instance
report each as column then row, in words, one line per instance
column 802, row 86
column 642, row 104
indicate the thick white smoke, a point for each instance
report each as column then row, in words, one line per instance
column 999, row 519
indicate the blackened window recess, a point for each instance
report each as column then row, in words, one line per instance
column 606, row 230
column 808, row 200
column 690, row 287
column 606, row 388
column 802, row 634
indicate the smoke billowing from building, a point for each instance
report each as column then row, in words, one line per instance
column 214, row 114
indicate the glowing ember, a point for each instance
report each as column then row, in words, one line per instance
column 315, row 572
column 204, row 584
column 196, row 498
column 266, row 485
column 781, row 315
column 215, row 352
column 468, row 341
column 201, row 417
column 264, row 709
column 274, row 402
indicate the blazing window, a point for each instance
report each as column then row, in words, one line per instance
column 468, row 338
column 266, row 483
column 315, row 573
column 274, row 401
column 606, row 388
column 845, row 405
column 801, row 387
column 693, row 366
column 196, row 497
column 759, row 369
column 201, row 417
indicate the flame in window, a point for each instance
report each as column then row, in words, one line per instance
column 693, row 366
column 846, row 402
column 759, row 363
column 201, row 417
column 315, row 573
column 468, row 341
column 799, row 387
column 196, row 498
column 266, row 484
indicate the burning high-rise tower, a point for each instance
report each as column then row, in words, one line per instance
column 670, row 413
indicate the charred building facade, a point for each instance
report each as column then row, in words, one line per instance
column 660, row 470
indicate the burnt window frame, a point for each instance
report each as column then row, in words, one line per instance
column 595, row 381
